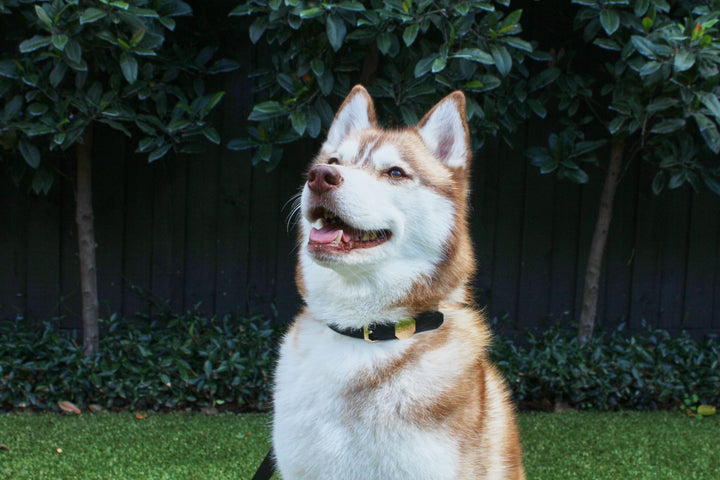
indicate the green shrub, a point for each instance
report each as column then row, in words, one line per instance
column 175, row 362
column 646, row 370
column 192, row 361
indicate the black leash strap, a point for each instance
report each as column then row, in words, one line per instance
column 267, row 467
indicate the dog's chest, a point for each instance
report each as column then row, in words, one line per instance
column 331, row 421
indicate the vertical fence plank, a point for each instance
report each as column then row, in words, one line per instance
column 109, row 203
column 69, row 261
column 508, row 232
column 233, row 204
column 701, row 272
column 168, row 233
column 565, row 231
column 675, row 205
column 137, row 245
column 13, row 250
column 620, row 250
column 43, row 257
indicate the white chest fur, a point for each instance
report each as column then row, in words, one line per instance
column 323, row 431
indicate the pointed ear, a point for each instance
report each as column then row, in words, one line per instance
column 356, row 113
column 445, row 131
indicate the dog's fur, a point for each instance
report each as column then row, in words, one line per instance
column 429, row 407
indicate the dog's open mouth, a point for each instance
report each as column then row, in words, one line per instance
column 336, row 235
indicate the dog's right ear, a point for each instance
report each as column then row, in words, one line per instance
column 356, row 113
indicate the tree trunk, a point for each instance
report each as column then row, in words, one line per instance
column 597, row 248
column 86, row 244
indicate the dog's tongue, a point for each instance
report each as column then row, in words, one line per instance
column 328, row 234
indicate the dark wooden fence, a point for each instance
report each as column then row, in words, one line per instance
column 211, row 233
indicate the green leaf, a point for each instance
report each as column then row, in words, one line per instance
column 178, row 124
column 476, row 55
column 683, row 60
column 73, row 51
column 410, row 34
column 30, row 153
column 576, row 175
column 37, row 109
column 668, row 126
column 312, row 12
column 266, row 110
column 439, row 63
column 223, row 65
column 298, row 121
column 214, row 100
column 709, row 132
column 518, row 43
column 158, row 153
column 317, row 66
column 543, row 79
column 610, row 20
column 211, row 134
column 660, row 104
column 43, row 16
column 336, row 30
column 129, row 67
column 92, row 15
column 712, row 183
column 35, row 43
column 58, row 73
column 644, row 46
column 424, row 65
column 537, row 108
column 502, row 58
column 257, row 28
column 384, row 43
column 59, row 41
column 658, row 182
column 711, row 103
column 241, row 144
column 8, row 69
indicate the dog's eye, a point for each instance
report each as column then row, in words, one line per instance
column 396, row 173
column 333, row 161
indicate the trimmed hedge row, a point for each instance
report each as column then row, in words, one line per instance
column 649, row 369
column 175, row 362
column 192, row 362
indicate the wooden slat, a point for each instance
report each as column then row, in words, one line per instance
column 137, row 242
column 13, row 249
column 674, row 254
column 109, row 204
column 43, row 257
column 566, row 230
column 70, row 297
column 701, row 262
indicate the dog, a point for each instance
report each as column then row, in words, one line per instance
column 385, row 373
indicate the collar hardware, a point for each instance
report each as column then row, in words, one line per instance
column 402, row 330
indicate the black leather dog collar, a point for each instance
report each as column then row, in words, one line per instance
column 401, row 330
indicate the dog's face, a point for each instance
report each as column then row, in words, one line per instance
column 388, row 204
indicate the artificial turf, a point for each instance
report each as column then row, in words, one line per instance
column 597, row 446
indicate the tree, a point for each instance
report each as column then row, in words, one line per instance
column 69, row 65
column 656, row 99
column 406, row 53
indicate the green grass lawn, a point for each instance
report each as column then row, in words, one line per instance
column 617, row 446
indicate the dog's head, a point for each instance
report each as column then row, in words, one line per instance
column 388, row 208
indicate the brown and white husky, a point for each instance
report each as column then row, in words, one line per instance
column 385, row 373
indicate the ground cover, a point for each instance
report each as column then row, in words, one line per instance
column 582, row 445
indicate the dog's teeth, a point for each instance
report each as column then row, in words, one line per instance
column 338, row 239
column 372, row 235
column 318, row 224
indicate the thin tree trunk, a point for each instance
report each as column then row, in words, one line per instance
column 597, row 248
column 86, row 244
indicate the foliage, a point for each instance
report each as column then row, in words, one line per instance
column 647, row 370
column 181, row 361
column 407, row 53
column 658, row 89
column 193, row 361
column 133, row 65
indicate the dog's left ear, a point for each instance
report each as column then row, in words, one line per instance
column 445, row 131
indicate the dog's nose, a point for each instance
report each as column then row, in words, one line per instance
column 323, row 178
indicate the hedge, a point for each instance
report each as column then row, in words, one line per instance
column 191, row 361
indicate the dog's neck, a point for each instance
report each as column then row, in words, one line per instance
column 353, row 301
